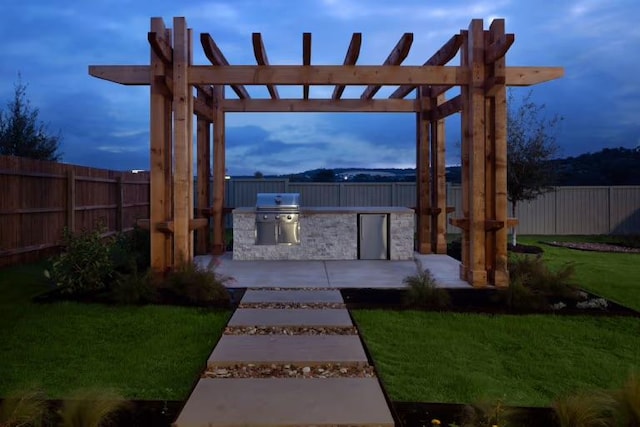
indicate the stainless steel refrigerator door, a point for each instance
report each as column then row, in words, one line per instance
column 373, row 236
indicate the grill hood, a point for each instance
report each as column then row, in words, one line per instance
column 278, row 201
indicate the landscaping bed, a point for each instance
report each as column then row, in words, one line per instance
column 488, row 301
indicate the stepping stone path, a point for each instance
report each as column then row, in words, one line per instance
column 287, row 366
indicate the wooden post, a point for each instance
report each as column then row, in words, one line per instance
column 438, row 182
column 190, row 173
column 218, row 246
column 166, row 111
column 423, row 202
column 498, row 118
column 119, row 204
column 204, row 172
column 160, row 170
column 477, row 275
column 464, row 159
column 71, row 200
column 182, row 140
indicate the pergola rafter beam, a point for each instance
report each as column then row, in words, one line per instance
column 499, row 48
column 350, row 59
column 306, row 59
column 397, row 55
column 215, row 56
column 261, row 57
column 441, row 57
column 161, row 47
column 138, row 75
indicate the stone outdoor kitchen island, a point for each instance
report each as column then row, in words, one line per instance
column 326, row 233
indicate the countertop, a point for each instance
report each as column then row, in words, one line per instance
column 314, row 210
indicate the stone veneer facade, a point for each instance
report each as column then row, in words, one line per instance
column 325, row 234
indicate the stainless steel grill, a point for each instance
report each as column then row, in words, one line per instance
column 278, row 219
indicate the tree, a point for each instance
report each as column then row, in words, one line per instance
column 258, row 175
column 324, row 175
column 531, row 145
column 21, row 134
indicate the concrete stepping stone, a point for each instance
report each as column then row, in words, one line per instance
column 286, row 402
column 292, row 296
column 268, row 349
column 290, row 317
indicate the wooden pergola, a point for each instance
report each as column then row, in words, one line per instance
column 180, row 89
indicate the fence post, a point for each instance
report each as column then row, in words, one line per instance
column 609, row 210
column 71, row 200
column 119, row 204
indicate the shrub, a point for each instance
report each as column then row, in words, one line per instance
column 535, row 274
column 626, row 402
column 134, row 288
column 485, row 413
column 92, row 408
column 85, row 265
column 27, row 408
column 197, row 285
column 423, row 292
column 131, row 251
column 592, row 409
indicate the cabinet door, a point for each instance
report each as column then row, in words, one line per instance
column 373, row 236
column 289, row 233
column 266, row 233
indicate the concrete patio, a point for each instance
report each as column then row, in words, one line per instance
column 334, row 274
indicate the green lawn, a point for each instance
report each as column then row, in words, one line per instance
column 615, row 276
column 525, row 360
column 147, row 352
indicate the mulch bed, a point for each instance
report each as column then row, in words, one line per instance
column 420, row 414
column 484, row 301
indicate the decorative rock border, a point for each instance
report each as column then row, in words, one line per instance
column 327, row 370
column 286, row 305
column 290, row 330
column 595, row 247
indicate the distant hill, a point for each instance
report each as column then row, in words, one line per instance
column 610, row 166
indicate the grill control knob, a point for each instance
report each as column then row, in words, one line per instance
column 277, row 216
column 264, row 217
column 288, row 216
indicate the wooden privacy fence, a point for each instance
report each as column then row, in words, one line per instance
column 39, row 199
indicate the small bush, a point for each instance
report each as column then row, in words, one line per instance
column 85, row 265
column 423, row 293
column 26, row 408
column 198, row 286
column 626, row 402
column 134, row 288
column 131, row 251
column 91, row 408
column 485, row 413
column 535, row 274
column 592, row 409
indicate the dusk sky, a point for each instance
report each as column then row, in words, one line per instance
column 106, row 125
